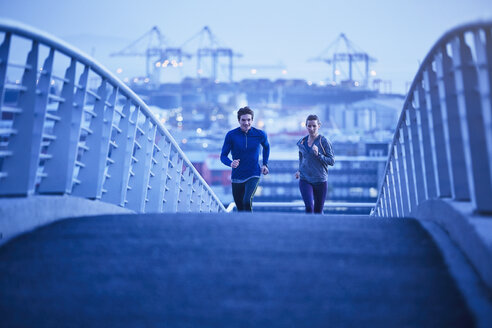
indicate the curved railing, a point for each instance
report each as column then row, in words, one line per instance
column 69, row 126
column 442, row 146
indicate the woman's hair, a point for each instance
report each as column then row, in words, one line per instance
column 313, row 117
column 244, row 111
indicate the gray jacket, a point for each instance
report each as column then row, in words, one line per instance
column 314, row 168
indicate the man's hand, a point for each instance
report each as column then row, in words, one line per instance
column 315, row 150
column 235, row 163
column 264, row 170
column 297, row 174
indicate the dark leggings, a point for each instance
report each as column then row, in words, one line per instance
column 243, row 194
column 314, row 195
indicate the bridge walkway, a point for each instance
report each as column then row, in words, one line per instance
column 223, row 270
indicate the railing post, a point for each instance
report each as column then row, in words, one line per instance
column 60, row 168
column 483, row 48
column 409, row 162
column 4, row 59
column 173, row 183
column 94, row 159
column 427, row 142
column 158, row 182
column 397, row 183
column 472, row 126
column 186, row 191
column 24, row 144
column 453, row 139
column 117, row 186
column 386, row 208
column 137, row 195
column 417, row 156
column 389, row 197
column 206, row 203
column 436, row 133
column 197, row 196
column 403, row 171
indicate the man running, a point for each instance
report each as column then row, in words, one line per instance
column 244, row 145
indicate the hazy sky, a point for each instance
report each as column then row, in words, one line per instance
column 398, row 33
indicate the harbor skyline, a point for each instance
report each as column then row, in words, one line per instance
column 269, row 33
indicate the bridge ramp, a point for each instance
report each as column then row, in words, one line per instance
column 228, row 270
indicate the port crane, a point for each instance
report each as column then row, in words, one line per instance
column 156, row 53
column 350, row 55
column 209, row 47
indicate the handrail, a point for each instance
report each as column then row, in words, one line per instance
column 442, row 147
column 102, row 143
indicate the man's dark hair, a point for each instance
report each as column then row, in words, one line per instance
column 313, row 117
column 244, row 111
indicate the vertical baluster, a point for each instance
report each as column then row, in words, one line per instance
column 197, row 196
column 436, row 133
column 453, row 138
column 187, row 189
column 76, row 130
column 396, row 183
column 91, row 176
column 426, row 141
column 472, row 126
column 409, row 163
column 382, row 203
column 387, row 197
column 384, row 199
column 206, row 202
column 137, row 196
column 484, row 67
column 60, row 168
column 42, row 94
column 179, row 181
column 417, row 155
column 391, row 191
column 173, row 183
column 158, row 183
column 109, row 117
column 117, row 186
column 25, row 144
column 402, row 169
column 4, row 58
column 203, row 199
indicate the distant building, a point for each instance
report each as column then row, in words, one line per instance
column 380, row 113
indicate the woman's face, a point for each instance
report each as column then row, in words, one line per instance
column 245, row 122
column 312, row 126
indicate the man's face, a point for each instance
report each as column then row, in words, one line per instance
column 245, row 122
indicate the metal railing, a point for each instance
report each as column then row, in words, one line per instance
column 69, row 126
column 442, row 147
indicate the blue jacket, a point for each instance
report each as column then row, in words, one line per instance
column 246, row 148
column 314, row 168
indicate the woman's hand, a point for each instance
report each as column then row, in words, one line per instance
column 297, row 174
column 264, row 170
column 315, row 150
column 235, row 163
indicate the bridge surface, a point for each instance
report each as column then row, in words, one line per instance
column 222, row 270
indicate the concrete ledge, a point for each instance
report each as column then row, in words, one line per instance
column 19, row 215
column 471, row 232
